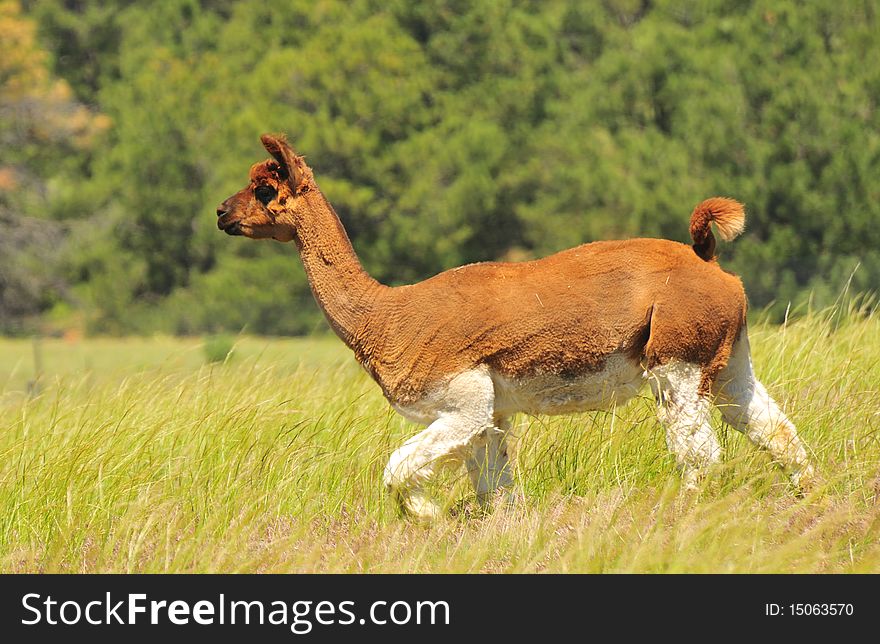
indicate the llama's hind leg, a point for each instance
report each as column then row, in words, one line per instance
column 488, row 464
column 748, row 408
column 684, row 412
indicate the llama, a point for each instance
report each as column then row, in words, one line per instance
column 584, row 329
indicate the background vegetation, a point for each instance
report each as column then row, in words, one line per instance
column 443, row 132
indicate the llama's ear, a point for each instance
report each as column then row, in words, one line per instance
column 279, row 148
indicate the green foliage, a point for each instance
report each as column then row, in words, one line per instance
column 218, row 348
column 452, row 132
column 261, row 293
column 45, row 134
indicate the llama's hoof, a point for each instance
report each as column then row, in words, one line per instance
column 415, row 505
column 418, row 506
column 691, row 479
column 807, row 480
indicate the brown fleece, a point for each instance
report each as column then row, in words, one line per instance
column 727, row 214
column 654, row 299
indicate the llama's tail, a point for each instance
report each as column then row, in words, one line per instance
column 728, row 214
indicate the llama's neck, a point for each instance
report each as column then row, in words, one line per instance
column 341, row 286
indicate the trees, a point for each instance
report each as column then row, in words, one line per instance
column 42, row 131
column 453, row 132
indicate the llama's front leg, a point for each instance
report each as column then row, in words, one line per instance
column 465, row 410
column 488, row 464
column 685, row 414
column 446, row 441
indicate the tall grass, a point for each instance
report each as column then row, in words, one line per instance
column 137, row 457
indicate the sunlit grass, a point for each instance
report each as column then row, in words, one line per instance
column 136, row 455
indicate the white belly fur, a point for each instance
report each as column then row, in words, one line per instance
column 620, row 380
column 483, row 392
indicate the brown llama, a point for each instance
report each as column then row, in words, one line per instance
column 580, row 330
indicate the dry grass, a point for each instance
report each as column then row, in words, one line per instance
column 137, row 457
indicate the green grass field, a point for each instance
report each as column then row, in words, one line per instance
column 137, row 456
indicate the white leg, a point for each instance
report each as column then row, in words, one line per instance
column 748, row 408
column 488, row 464
column 464, row 409
column 685, row 415
column 411, row 466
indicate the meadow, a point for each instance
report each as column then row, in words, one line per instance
column 139, row 455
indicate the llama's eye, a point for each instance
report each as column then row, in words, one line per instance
column 265, row 194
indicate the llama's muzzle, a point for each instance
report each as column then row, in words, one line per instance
column 229, row 227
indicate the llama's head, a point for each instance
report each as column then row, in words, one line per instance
column 272, row 202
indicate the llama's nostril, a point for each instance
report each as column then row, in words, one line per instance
column 220, row 212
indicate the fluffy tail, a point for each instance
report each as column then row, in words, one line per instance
column 728, row 215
